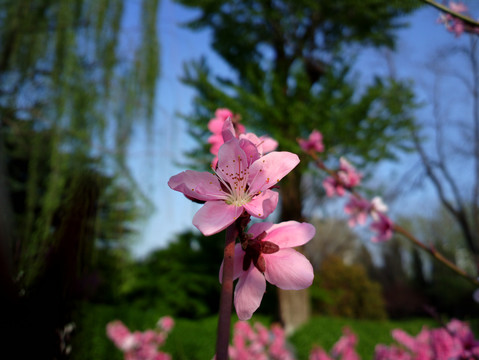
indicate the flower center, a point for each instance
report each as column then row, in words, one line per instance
column 254, row 250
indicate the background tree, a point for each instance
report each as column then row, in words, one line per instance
column 72, row 87
column 291, row 71
column 451, row 146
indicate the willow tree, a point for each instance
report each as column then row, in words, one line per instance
column 75, row 81
column 291, row 71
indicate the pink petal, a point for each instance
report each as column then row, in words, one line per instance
column 288, row 270
column 215, row 216
column 249, row 292
column 223, row 113
column 215, row 125
column 258, row 228
column 289, row 234
column 270, row 169
column 250, row 150
column 198, row 185
column 228, row 131
column 238, row 263
column 232, row 161
column 268, row 144
column 262, row 205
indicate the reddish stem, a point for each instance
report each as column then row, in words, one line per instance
column 224, row 319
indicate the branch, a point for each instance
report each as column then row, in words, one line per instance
column 226, row 297
column 466, row 19
column 398, row 229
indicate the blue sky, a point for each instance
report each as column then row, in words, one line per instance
column 154, row 164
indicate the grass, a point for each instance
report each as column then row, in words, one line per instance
column 195, row 339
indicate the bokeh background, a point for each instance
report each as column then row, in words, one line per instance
column 101, row 102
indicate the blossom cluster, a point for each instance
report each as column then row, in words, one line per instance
column 454, row 24
column 453, row 342
column 343, row 181
column 245, row 171
column 344, row 348
column 139, row 345
column 257, row 342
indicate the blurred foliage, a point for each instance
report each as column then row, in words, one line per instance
column 345, row 290
column 195, row 339
column 73, row 87
column 181, row 280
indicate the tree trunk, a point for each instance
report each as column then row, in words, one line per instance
column 294, row 305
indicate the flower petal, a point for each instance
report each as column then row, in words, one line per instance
column 197, row 185
column 238, row 264
column 270, row 169
column 215, row 216
column 288, row 270
column 263, row 204
column 232, row 163
column 249, row 292
column 258, row 228
column 228, row 130
column 289, row 234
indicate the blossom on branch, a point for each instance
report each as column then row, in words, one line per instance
column 344, row 348
column 268, row 255
column 313, row 143
column 215, row 125
column 454, row 24
column 258, row 343
column 346, row 178
column 241, row 182
column 140, row 345
column 455, row 341
column 359, row 209
column 384, row 228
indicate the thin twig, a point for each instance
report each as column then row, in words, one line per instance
column 400, row 230
column 445, row 9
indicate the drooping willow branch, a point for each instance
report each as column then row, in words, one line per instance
column 400, row 230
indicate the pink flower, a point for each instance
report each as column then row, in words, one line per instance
column 263, row 144
column 166, row 323
column 457, row 7
column 216, row 124
column 347, row 178
column 452, row 23
column 120, row 335
column 268, row 255
column 137, row 345
column 313, row 143
column 358, row 209
column 384, row 228
column 258, row 343
column 241, row 182
column 319, row 354
column 345, row 346
column 383, row 352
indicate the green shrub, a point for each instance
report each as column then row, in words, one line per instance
column 345, row 290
